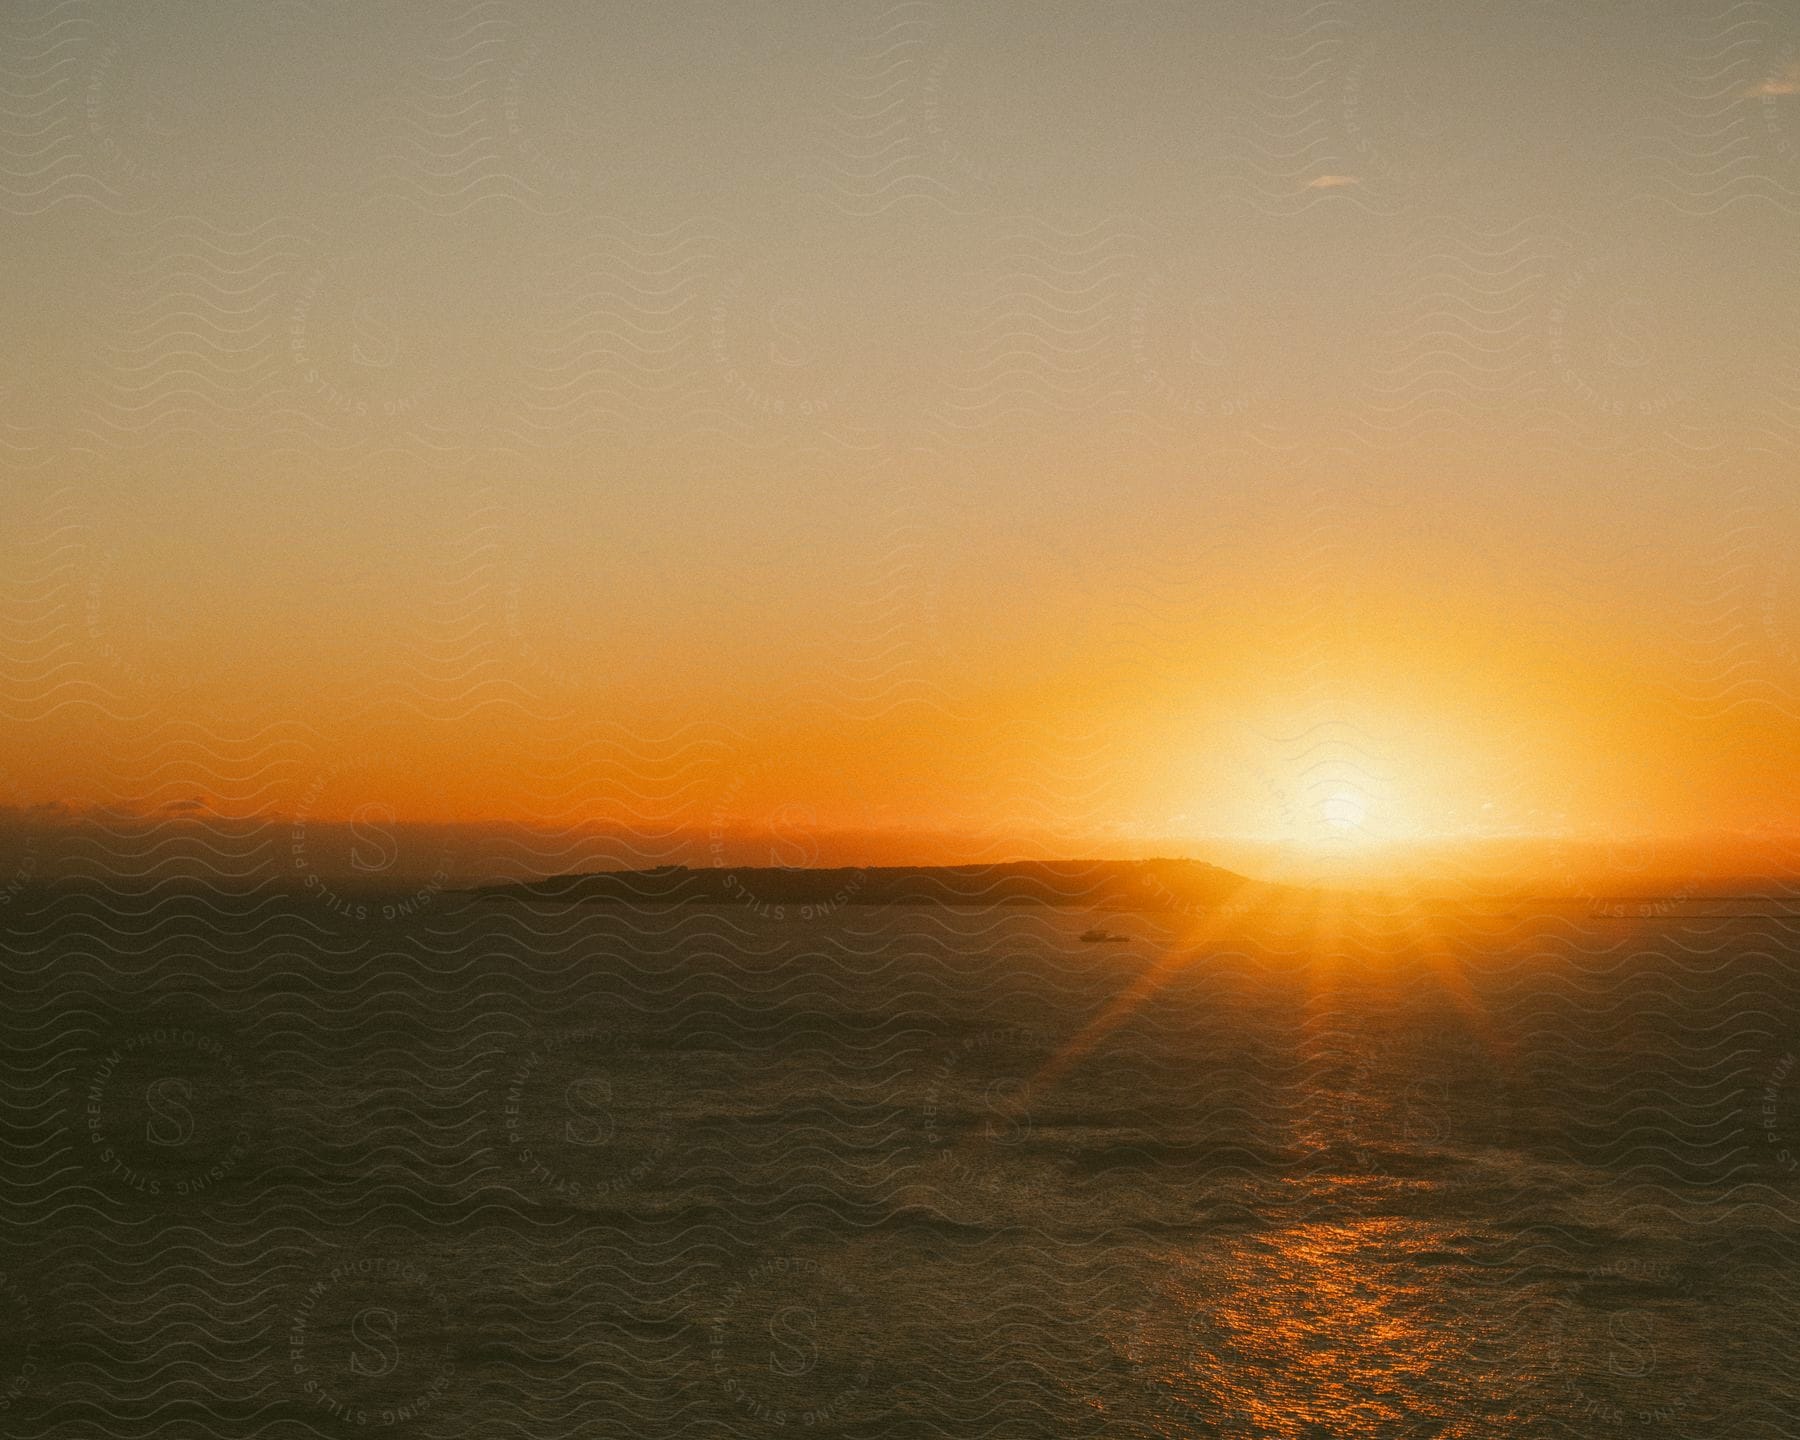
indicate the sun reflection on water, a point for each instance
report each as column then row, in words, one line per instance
column 1321, row 1329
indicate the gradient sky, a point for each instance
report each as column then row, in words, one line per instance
column 1035, row 426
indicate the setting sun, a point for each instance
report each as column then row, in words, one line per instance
column 1344, row 811
column 882, row 719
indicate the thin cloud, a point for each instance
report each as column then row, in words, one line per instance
column 1332, row 182
column 196, row 806
column 1786, row 83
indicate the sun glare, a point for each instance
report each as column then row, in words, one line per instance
column 1344, row 811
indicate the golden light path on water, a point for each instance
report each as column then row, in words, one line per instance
column 1305, row 1333
column 1326, row 1326
column 1379, row 1292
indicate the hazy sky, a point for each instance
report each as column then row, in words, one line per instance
column 1097, row 423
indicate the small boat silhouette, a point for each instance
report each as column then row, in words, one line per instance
column 1102, row 937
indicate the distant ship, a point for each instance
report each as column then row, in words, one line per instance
column 1102, row 937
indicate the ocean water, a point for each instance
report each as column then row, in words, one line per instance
column 548, row 1171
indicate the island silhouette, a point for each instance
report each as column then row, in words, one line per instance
column 1122, row 884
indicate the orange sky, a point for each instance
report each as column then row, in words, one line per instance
column 1345, row 702
column 974, row 457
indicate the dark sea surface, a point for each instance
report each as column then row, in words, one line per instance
column 506, row 1170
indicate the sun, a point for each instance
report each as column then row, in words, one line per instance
column 1343, row 811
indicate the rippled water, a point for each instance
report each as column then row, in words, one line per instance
column 507, row 1171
